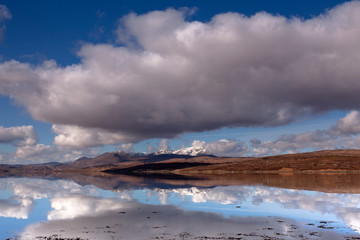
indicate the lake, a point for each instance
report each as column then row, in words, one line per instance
column 161, row 207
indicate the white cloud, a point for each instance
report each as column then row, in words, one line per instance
column 350, row 124
column 74, row 142
column 41, row 153
column 18, row 136
column 175, row 76
column 164, row 145
column 344, row 134
column 5, row 14
column 127, row 147
column 295, row 143
column 223, row 147
column 335, row 137
column 79, row 137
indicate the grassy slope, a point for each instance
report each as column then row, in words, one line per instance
column 326, row 161
column 330, row 161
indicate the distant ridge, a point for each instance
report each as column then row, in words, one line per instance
column 345, row 160
column 124, row 159
column 326, row 161
column 329, row 171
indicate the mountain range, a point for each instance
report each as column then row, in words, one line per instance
column 187, row 164
column 328, row 171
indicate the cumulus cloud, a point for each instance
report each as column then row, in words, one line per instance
column 18, row 136
column 5, row 14
column 79, row 137
column 223, row 147
column 164, row 145
column 127, row 147
column 350, row 124
column 74, row 142
column 294, row 143
column 342, row 135
column 41, row 153
column 173, row 76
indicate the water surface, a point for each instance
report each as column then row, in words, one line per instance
column 128, row 207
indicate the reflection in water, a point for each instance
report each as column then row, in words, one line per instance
column 16, row 207
column 345, row 207
column 77, row 206
column 139, row 221
column 221, row 212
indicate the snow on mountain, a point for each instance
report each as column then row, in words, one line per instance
column 191, row 151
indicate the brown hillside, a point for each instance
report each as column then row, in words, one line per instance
column 329, row 160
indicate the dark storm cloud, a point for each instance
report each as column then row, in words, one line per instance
column 187, row 76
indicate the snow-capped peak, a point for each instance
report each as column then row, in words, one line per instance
column 191, row 151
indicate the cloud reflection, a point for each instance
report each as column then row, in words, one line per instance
column 87, row 212
column 222, row 195
column 16, row 207
column 133, row 220
column 76, row 206
column 345, row 207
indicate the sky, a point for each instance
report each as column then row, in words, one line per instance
column 236, row 78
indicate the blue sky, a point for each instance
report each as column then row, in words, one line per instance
column 55, row 29
column 236, row 78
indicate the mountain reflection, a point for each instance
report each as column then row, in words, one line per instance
column 138, row 212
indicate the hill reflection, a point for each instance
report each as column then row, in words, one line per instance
column 325, row 182
column 128, row 207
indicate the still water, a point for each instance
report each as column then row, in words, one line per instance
column 137, row 208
